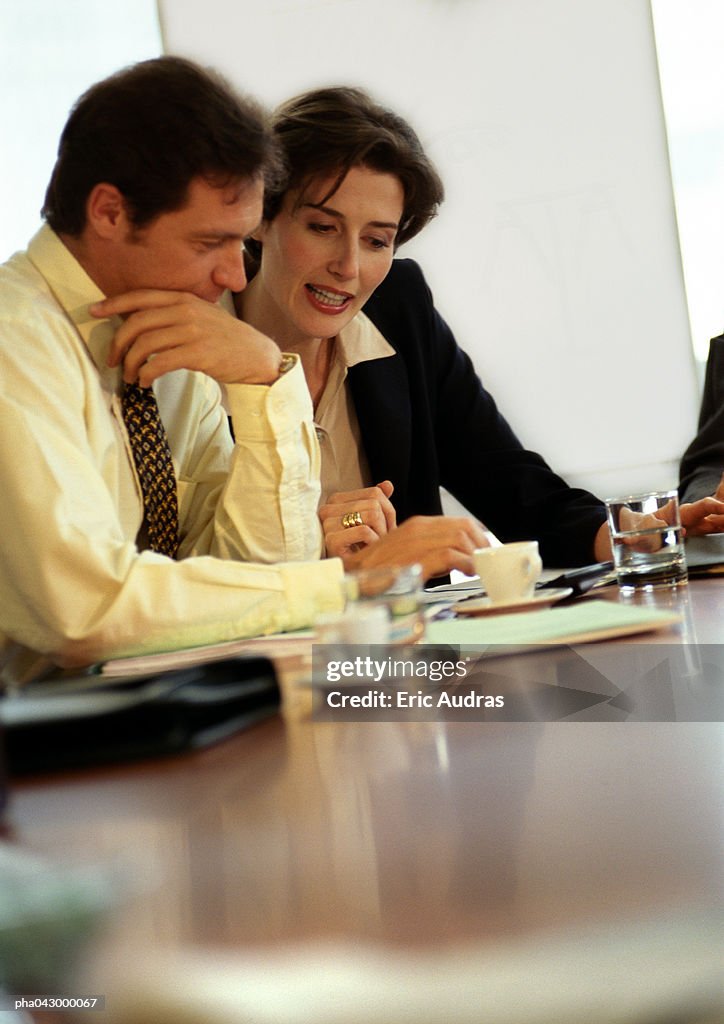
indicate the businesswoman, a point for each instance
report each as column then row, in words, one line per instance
column 399, row 408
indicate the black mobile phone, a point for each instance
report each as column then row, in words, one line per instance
column 580, row 580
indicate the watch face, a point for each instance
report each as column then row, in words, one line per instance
column 286, row 364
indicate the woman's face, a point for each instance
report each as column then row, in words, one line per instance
column 320, row 264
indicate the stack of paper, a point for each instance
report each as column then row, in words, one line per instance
column 577, row 623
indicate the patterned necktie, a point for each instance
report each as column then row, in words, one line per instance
column 152, row 456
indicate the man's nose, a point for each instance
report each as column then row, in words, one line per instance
column 231, row 272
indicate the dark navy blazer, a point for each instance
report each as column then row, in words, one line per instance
column 427, row 421
column 703, row 461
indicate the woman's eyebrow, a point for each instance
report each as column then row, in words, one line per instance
column 331, row 212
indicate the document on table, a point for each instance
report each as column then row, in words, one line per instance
column 278, row 647
column 577, row 623
column 290, row 652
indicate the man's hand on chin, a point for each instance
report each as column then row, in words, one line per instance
column 166, row 330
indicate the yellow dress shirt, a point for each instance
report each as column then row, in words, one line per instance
column 74, row 588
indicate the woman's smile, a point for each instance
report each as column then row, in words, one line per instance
column 328, row 300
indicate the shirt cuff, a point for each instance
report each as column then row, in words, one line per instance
column 313, row 589
column 260, row 412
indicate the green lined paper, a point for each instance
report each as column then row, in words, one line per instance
column 588, row 620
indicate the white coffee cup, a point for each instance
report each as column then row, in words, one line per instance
column 509, row 572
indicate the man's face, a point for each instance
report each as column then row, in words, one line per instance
column 197, row 249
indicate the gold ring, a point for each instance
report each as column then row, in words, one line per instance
column 350, row 519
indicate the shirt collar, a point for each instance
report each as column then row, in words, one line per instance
column 361, row 341
column 75, row 292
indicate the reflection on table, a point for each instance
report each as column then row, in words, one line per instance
column 419, row 838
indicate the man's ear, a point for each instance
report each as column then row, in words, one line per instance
column 106, row 212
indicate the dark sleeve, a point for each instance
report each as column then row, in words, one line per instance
column 478, row 456
column 703, row 461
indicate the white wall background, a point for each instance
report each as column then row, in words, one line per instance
column 556, row 257
column 50, row 52
column 690, row 44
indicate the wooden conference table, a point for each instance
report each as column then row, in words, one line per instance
column 416, row 838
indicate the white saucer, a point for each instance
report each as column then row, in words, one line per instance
column 484, row 606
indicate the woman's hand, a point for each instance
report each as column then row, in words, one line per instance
column 698, row 518
column 375, row 510
column 704, row 516
column 438, row 543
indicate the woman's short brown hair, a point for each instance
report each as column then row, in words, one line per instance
column 329, row 131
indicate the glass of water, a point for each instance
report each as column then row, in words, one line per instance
column 397, row 589
column 647, row 540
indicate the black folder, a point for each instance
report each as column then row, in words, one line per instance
column 65, row 725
